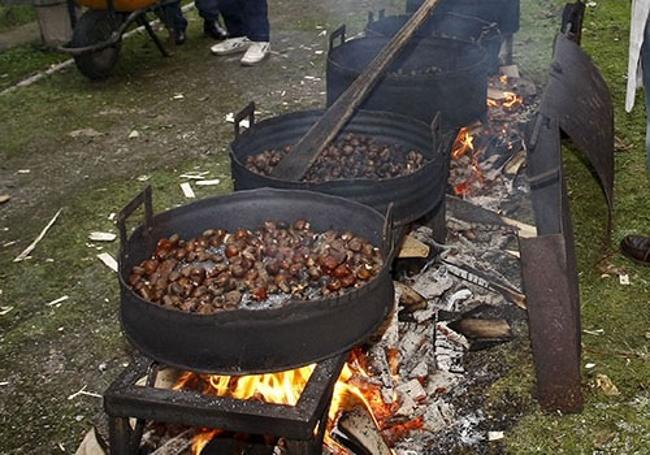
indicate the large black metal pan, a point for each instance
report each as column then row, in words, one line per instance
column 413, row 195
column 450, row 25
column 253, row 341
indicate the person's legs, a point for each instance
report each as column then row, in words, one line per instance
column 256, row 16
column 209, row 11
column 173, row 17
column 645, row 62
column 233, row 17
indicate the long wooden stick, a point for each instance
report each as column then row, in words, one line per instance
column 305, row 152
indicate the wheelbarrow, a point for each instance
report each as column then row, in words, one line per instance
column 97, row 34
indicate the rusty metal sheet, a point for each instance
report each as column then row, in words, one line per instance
column 579, row 98
column 572, row 19
column 550, row 275
column 552, row 322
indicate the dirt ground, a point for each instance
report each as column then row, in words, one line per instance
column 47, row 353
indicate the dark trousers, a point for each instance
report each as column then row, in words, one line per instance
column 208, row 10
column 173, row 16
column 248, row 18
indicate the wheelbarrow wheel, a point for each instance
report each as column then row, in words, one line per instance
column 93, row 27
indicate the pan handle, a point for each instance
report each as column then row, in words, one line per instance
column 247, row 112
column 389, row 243
column 338, row 33
column 144, row 197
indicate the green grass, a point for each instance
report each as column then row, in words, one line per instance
column 619, row 424
column 20, row 62
column 14, row 15
column 33, row 130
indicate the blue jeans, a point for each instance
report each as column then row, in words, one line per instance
column 248, row 18
column 208, row 10
column 645, row 62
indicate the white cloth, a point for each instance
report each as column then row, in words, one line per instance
column 640, row 13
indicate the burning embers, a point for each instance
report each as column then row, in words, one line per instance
column 353, row 157
column 357, row 401
column 482, row 150
column 273, row 388
column 220, row 271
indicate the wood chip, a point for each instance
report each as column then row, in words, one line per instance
column 4, row 198
column 108, row 260
column 97, row 236
column 484, row 328
column 495, row 435
column 412, row 248
column 497, row 94
column 409, row 298
column 59, row 300
column 208, row 182
column 5, row 310
column 92, row 444
column 359, row 427
column 526, row 231
column 510, row 71
column 22, row 256
column 194, row 175
column 187, row 190
column 84, row 132
column 179, row 444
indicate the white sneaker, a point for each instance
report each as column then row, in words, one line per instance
column 231, row 46
column 256, row 52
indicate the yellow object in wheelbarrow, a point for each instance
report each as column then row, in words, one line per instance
column 97, row 35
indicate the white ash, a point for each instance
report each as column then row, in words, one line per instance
column 421, row 316
column 421, row 370
column 438, row 415
column 433, row 283
column 413, row 390
column 455, row 300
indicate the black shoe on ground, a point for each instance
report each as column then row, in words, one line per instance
column 214, row 30
column 179, row 37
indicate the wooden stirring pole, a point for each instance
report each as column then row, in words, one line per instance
column 305, row 152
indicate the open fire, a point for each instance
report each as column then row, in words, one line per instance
column 354, row 388
column 483, row 146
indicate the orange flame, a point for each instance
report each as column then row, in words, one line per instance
column 464, row 143
column 354, row 387
column 510, row 100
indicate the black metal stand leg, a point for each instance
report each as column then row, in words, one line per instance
column 439, row 223
column 120, row 436
column 142, row 20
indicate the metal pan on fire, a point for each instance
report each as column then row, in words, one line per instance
column 247, row 340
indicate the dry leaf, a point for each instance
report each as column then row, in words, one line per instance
column 606, row 385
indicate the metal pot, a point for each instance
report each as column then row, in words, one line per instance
column 413, row 195
column 253, row 341
column 450, row 25
column 458, row 90
column 504, row 12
